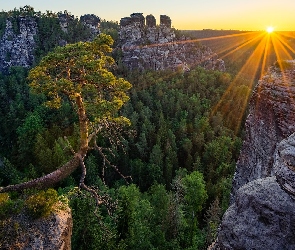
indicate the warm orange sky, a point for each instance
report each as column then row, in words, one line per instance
column 185, row 14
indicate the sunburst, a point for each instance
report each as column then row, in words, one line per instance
column 270, row 29
column 260, row 50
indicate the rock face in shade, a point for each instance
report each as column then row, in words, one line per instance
column 262, row 217
column 147, row 46
column 24, row 233
column 262, row 212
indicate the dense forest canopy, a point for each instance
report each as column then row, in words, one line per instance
column 180, row 150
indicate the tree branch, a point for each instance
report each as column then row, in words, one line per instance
column 83, row 186
column 48, row 180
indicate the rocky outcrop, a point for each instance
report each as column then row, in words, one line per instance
column 17, row 43
column 24, row 233
column 148, row 46
column 262, row 212
column 271, row 119
column 91, row 21
column 262, row 217
column 64, row 20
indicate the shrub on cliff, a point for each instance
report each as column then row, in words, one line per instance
column 41, row 203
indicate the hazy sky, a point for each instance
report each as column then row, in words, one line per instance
column 185, row 14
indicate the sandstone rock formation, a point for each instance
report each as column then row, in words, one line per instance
column 147, row 46
column 64, row 20
column 22, row 232
column 262, row 213
column 271, row 119
column 18, row 42
column 16, row 49
column 91, row 21
column 262, row 217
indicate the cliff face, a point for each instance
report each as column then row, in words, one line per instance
column 271, row 119
column 16, row 48
column 262, row 214
column 22, row 232
column 147, row 46
column 18, row 42
column 144, row 45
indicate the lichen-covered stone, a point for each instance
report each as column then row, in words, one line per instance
column 22, row 232
column 17, row 47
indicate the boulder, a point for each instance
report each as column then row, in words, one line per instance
column 262, row 217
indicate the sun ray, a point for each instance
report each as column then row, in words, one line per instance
column 228, row 36
column 281, row 39
column 227, row 42
column 250, row 68
column 258, row 49
column 265, row 56
column 278, row 48
column 290, row 34
column 280, row 53
column 243, row 45
column 284, row 54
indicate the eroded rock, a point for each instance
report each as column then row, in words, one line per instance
column 156, row 47
column 284, row 165
column 23, row 232
column 16, row 48
column 262, row 217
column 271, row 119
column 262, row 212
column 18, row 42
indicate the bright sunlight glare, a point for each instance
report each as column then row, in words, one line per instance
column 270, row 29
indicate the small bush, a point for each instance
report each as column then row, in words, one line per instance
column 41, row 204
column 9, row 207
column 4, row 197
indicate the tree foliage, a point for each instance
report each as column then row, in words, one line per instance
column 181, row 159
column 79, row 73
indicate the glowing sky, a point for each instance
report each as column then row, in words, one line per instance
column 185, row 14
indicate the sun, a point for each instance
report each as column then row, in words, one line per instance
column 270, row 29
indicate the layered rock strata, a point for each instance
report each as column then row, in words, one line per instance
column 145, row 45
column 262, row 213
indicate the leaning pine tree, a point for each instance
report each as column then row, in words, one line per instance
column 80, row 73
